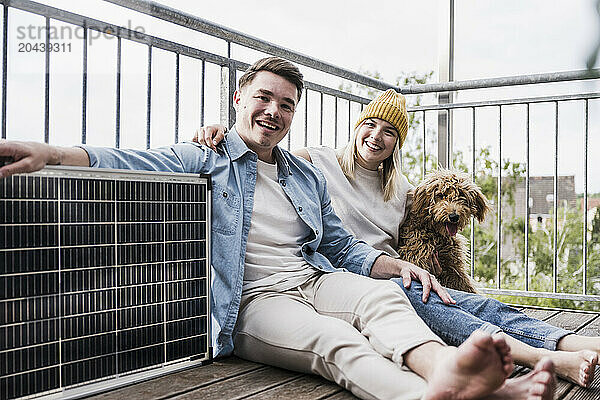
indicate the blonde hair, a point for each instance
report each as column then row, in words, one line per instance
column 390, row 169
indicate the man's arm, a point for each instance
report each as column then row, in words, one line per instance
column 31, row 156
column 181, row 157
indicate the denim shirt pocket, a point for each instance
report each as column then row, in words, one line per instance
column 226, row 210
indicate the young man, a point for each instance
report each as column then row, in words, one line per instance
column 291, row 286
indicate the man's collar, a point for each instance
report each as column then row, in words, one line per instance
column 237, row 148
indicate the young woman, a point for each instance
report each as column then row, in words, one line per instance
column 369, row 191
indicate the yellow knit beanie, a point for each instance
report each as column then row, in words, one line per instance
column 391, row 107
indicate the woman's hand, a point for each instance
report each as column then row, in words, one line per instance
column 210, row 136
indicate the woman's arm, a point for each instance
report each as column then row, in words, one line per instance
column 303, row 152
column 212, row 135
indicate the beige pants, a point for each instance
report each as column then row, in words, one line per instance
column 348, row 328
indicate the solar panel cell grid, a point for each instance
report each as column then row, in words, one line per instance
column 100, row 274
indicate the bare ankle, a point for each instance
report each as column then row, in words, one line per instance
column 574, row 342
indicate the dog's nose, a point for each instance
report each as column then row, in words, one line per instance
column 453, row 218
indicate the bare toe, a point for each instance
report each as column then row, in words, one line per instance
column 576, row 366
column 539, row 384
column 474, row 370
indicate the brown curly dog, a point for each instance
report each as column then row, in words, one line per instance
column 442, row 205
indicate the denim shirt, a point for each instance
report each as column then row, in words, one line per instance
column 233, row 174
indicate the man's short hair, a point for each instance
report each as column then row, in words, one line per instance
column 278, row 66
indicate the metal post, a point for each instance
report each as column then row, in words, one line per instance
column 4, row 67
column 149, row 98
column 47, row 86
column 585, row 197
column 527, row 205
column 118, row 100
column 84, row 88
column 176, row 97
column 228, row 82
column 446, row 74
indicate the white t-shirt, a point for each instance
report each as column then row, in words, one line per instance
column 359, row 202
column 274, row 259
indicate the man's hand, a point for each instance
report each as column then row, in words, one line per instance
column 210, row 136
column 386, row 267
column 31, row 156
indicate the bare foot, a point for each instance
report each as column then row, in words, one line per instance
column 539, row 384
column 477, row 368
column 575, row 366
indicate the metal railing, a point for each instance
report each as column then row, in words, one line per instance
column 230, row 66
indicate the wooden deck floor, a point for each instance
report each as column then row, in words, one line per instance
column 232, row 378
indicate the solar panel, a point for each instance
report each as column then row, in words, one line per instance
column 104, row 279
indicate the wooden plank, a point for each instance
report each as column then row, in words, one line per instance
column 539, row 313
column 591, row 393
column 307, row 387
column 570, row 320
column 243, row 385
column 345, row 395
column 591, row 329
column 562, row 386
column 183, row 381
column 576, row 322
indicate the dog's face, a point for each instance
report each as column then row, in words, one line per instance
column 446, row 200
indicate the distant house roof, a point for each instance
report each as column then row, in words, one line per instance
column 541, row 192
column 593, row 202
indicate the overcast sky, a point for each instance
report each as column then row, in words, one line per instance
column 493, row 38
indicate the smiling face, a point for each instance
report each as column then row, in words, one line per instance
column 375, row 141
column 264, row 111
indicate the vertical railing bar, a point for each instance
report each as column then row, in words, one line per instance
column 202, row 85
column 527, row 194
column 449, row 138
column 47, row 86
column 59, row 239
column 424, row 147
column 84, row 88
column 349, row 120
column 306, row 118
column 321, row 123
column 165, row 279
column 473, row 174
column 555, row 235
column 176, row 97
column 232, row 85
column 149, row 97
column 585, row 196
column 4, row 68
column 118, row 102
column 335, row 126
column 499, row 194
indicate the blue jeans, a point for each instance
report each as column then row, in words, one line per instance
column 454, row 323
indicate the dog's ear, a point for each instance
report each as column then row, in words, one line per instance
column 421, row 200
column 410, row 197
column 480, row 205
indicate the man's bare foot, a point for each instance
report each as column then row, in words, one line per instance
column 575, row 366
column 477, row 368
column 539, row 384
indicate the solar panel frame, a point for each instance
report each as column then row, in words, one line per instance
column 104, row 279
